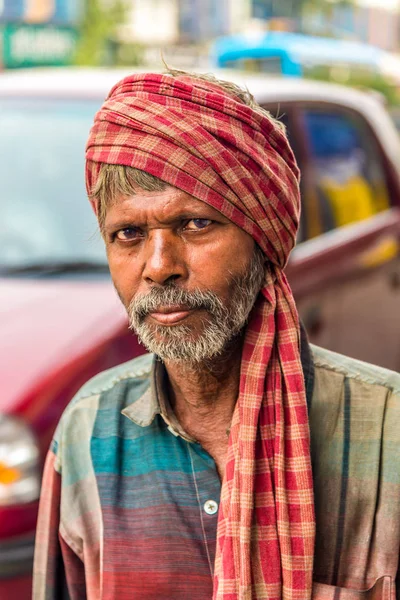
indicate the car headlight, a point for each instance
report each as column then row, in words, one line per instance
column 19, row 462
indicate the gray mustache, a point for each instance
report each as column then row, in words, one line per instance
column 141, row 306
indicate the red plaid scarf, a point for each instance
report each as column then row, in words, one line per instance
column 202, row 139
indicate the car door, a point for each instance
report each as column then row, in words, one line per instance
column 345, row 271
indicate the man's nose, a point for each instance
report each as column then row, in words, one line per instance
column 164, row 261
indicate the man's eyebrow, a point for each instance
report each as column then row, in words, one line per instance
column 187, row 214
column 123, row 224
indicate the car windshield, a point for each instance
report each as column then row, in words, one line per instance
column 45, row 215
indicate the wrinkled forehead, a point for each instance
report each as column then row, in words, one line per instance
column 166, row 206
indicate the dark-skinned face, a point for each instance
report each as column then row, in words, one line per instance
column 159, row 239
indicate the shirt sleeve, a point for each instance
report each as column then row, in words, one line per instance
column 58, row 572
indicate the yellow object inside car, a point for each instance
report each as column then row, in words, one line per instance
column 354, row 201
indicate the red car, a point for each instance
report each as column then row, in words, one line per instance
column 61, row 319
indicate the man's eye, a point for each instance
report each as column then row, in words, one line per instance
column 128, row 234
column 197, row 224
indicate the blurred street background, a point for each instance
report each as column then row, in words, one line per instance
column 328, row 69
column 184, row 32
column 139, row 32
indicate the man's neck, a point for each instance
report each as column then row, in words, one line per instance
column 203, row 397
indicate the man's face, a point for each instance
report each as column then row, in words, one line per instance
column 187, row 276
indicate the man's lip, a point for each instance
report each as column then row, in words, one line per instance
column 171, row 308
column 170, row 315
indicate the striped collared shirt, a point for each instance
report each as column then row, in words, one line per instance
column 129, row 504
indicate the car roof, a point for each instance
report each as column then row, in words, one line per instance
column 95, row 83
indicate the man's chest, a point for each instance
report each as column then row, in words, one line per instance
column 159, row 505
column 159, row 500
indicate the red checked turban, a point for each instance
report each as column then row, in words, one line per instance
column 204, row 140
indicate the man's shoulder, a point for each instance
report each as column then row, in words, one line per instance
column 135, row 370
column 109, row 392
column 327, row 362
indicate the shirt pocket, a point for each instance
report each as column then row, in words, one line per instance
column 383, row 589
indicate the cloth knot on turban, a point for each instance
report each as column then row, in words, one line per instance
column 203, row 139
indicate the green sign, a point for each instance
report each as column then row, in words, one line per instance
column 36, row 45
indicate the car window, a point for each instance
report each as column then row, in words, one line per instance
column 345, row 166
column 45, row 214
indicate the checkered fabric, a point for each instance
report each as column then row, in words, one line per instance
column 198, row 137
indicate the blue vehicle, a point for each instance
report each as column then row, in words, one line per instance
column 293, row 54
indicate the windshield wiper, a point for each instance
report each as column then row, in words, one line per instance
column 56, row 268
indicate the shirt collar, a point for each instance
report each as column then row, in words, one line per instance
column 143, row 410
column 154, row 401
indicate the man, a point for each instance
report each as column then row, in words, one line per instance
column 186, row 473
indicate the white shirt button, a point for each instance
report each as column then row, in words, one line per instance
column 211, row 507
